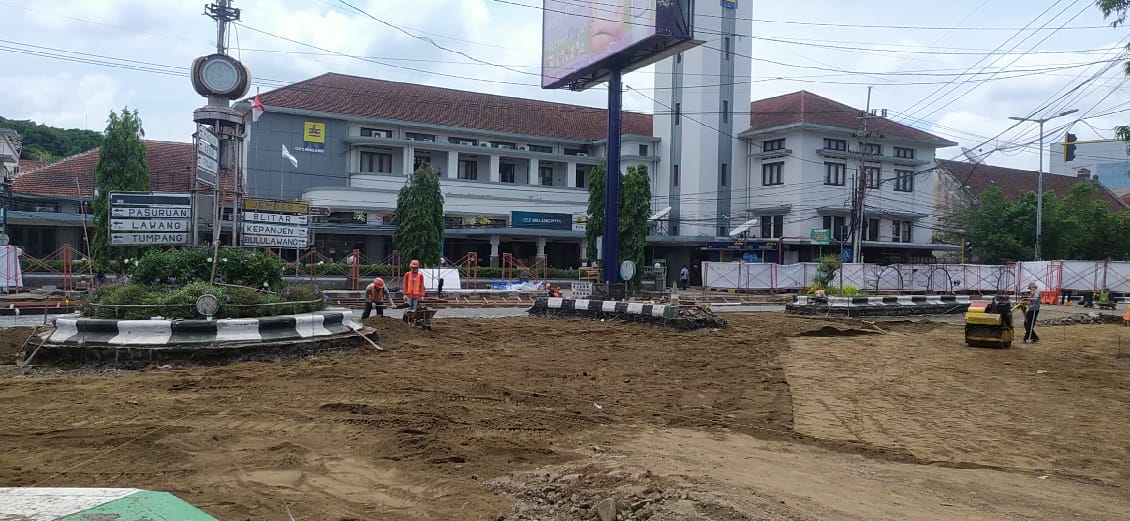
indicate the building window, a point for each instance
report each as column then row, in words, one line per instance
column 463, row 141
column 725, row 111
column 772, row 173
column 721, row 231
column 575, row 152
column 675, row 175
column 905, row 153
column 872, row 149
column 836, row 224
column 834, row 174
column 904, row 181
column 835, row 144
column 773, row 144
column 468, row 169
column 901, row 230
column 422, row 158
column 724, row 177
column 504, row 144
column 726, row 47
column 772, row 226
column 506, row 172
column 541, row 149
column 376, row 162
column 545, row 173
column 413, row 136
column 872, row 229
column 580, row 177
column 871, row 176
column 375, row 132
column 678, row 113
column 643, row 150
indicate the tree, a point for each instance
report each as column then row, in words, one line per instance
column 44, row 143
column 594, row 225
column 419, row 218
column 635, row 207
column 121, row 167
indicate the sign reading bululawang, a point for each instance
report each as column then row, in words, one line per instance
column 269, row 223
column 150, row 218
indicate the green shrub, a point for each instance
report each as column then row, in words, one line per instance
column 140, row 302
column 233, row 266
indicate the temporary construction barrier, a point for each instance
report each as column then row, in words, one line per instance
column 1054, row 276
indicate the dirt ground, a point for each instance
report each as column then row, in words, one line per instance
column 775, row 418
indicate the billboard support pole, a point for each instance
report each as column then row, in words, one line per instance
column 610, row 240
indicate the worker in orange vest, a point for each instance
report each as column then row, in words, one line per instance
column 375, row 298
column 413, row 285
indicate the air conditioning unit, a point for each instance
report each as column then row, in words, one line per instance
column 582, row 154
column 44, row 208
column 523, row 149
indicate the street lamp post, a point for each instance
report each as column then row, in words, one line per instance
column 1040, row 175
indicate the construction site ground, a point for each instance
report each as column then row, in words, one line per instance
column 775, row 418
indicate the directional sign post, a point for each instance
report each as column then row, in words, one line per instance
column 270, row 223
column 207, row 155
column 149, row 218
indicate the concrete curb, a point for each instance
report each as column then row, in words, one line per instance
column 662, row 314
column 100, row 332
column 880, row 306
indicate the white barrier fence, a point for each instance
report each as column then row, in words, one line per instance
column 1050, row 275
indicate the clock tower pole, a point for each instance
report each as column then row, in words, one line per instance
column 221, row 129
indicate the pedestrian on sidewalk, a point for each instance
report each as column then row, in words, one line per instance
column 684, row 277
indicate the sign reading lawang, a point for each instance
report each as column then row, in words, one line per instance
column 149, row 218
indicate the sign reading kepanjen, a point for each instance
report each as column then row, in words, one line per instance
column 269, row 223
column 150, row 218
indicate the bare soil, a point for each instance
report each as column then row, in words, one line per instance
column 552, row 419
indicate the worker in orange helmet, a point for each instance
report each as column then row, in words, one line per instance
column 375, row 298
column 413, row 285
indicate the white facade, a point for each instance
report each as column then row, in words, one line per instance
column 481, row 174
column 702, row 104
column 1108, row 161
column 816, row 183
column 9, row 153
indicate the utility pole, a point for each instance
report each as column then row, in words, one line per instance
column 1040, row 175
column 861, row 184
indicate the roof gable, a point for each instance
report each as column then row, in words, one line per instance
column 977, row 178
column 413, row 103
column 804, row 107
column 170, row 170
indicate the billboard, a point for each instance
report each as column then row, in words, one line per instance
column 545, row 221
column 581, row 39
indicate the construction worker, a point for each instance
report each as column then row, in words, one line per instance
column 413, row 286
column 1031, row 307
column 375, row 298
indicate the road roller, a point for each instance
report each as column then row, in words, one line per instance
column 989, row 324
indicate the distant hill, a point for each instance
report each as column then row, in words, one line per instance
column 49, row 144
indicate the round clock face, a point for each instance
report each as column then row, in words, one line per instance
column 220, row 75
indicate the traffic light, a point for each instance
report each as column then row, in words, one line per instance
column 966, row 251
column 1069, row 148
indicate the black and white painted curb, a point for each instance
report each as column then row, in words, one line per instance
column 88, row 331
column 607, row 306
column 901, row 300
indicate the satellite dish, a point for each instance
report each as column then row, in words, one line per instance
column 661, row 214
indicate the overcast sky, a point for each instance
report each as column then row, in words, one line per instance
column 69, row 62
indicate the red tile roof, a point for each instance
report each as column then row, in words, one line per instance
column 352, row 95
column 170, row 170
column 804, row 107
column 1013, row 182
column 27, row 165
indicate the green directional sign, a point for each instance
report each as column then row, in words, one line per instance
column 823, row 237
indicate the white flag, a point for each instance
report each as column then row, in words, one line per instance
column 287, row 155
column 256, row 109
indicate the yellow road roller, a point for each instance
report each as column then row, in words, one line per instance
column 989, row 324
